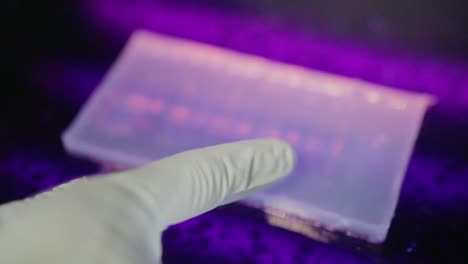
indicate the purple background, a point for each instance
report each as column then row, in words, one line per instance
column 58, row 51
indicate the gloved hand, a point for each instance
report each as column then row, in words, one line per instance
column 118, row 218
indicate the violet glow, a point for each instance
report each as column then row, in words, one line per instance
column 237, row 239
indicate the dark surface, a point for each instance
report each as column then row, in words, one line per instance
column 58, row 51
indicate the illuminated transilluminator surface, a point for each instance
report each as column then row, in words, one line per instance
column 165, row 95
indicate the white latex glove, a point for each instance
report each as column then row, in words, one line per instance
column 118, row 218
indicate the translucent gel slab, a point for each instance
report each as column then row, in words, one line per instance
column 165, row 95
